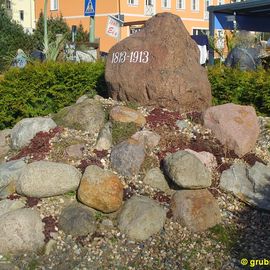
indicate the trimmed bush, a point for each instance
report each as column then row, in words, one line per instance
column 241, row 87
column 41, row 89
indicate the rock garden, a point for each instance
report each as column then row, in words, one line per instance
column 126, row 188
column 156, row 178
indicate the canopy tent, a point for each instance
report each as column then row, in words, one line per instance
column 251, row 15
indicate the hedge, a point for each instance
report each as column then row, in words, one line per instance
column 41, row 89
column 241, row 87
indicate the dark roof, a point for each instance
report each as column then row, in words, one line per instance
column 251, row 7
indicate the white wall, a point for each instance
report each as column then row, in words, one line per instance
column 28, row 9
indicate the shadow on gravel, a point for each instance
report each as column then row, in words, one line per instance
column 251, row 248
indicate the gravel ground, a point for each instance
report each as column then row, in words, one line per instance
column 243, row 233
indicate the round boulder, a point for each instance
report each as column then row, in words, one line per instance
column 127, row 157
column 100, row 189
column 187, row 171
column 87, row 115
column 25, row 130
column 77, row 220
column 196, row 209
column 127, row 115
column 21, row 231
column 45, row 179
column 141, row 217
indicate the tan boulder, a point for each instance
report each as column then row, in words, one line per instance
column 100, row 189
column 149, row 138
column 127, row 115
column 196, row 209
column 235, row 126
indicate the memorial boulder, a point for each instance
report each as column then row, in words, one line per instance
column 159, row 66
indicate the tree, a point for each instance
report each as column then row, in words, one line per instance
column 55, row 26
column 82, row 35
column 12, row 38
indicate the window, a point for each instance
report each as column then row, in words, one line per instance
column 149, row 8
column 195, row 5
column 207, row 3
column 166, row 3
column 21, row 15
column 220, row 2
column 180, row 4
column 54, row 4
column 198, row 31
column 133, row 2
column 8, row 4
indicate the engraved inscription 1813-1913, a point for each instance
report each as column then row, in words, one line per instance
column 131, row 57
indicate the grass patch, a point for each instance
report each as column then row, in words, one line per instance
column 32, row 265
column 225, row 235
column 149, row 162
column 70, row 194
column 99, row 216
column 132, row 105
column 122, row 131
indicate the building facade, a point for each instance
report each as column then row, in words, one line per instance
column 192, row 12
column 23, row 12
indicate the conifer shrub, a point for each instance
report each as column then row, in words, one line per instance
column 41, row 89
column 241, row 87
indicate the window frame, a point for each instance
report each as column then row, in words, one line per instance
column 168, row 6
column 21, row 14
column 134, row 4
column 54, row 5
column 183, row 4
column 197, row 5
column 206, row 13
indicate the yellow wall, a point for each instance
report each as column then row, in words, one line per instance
column 74, row 15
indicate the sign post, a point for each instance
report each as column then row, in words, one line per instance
column 113, row 27
column 90, row 10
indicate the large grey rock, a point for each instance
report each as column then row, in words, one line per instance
column 196, row 209
column 25, row 130
column 77, row 219
column 155, row 178
column 141, row 217
column 21, row 231
column 127, row 157
column 104, row 140
column 10, row 205
column 87, row 115
column 9, row 174
column 44, row 179
column 187, row 171
column 4, row 146
column 101, row 189
column 251, row 185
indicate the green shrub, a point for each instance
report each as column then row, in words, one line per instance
column 55, row 26
column 41, row 89
column 241, row 87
